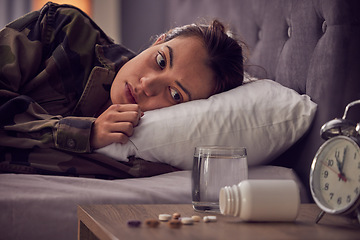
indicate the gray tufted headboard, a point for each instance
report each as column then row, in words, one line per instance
column 311, row 46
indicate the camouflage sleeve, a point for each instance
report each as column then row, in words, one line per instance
column 24, row 123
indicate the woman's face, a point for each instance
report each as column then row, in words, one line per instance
column 165, row 74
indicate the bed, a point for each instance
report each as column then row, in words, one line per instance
column 310, row 47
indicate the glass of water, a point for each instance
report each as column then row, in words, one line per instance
column 215, row 167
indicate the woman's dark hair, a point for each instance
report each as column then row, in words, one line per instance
column 225, row 53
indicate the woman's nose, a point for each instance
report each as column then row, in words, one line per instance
column 152, row 85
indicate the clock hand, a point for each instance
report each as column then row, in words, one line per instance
column 344, row 158
column 333, row 170
column 340, row 165
column 341, row 176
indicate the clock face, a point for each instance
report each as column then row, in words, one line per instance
column 335, row 175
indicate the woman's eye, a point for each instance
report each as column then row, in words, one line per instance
column 160, row 60
column 175, row 95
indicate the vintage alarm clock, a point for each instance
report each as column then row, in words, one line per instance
column 335, row 170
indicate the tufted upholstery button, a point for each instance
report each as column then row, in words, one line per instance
column 324, row 26
column 70, row 143
column 289, row 31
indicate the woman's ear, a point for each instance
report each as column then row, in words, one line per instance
column 160, row 39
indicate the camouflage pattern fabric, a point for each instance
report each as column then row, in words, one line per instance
column 56, row 70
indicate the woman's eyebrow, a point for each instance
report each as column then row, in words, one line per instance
column 171, row 55
column 184, row 89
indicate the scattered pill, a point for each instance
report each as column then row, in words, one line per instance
column 209, row 219
column 176, row 216
column 206, row 219
column 153, row 223
column 164, row 217
column 134, row 223
column 174, row 223
column 187, row 220
column 213, row 218
column 196, row 218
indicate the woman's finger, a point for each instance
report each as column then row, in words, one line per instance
column 118, row 138
column 126, row 128
column 122, row 115
column 126, row 108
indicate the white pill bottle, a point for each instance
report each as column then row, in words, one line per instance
column 261, row 200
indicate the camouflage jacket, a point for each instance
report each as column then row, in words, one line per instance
column 56, row 70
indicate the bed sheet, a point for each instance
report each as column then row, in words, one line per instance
column 45, row 207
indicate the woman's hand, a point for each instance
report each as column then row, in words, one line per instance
column 115, row 125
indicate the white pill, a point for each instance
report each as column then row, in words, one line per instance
column 187, row 220
column 209, row 219
column 164, row 217
column 212, row 218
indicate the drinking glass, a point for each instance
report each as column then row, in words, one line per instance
column 215, row 167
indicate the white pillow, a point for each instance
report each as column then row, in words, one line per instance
column 262, row 116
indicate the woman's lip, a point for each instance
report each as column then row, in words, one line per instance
column 129, row 94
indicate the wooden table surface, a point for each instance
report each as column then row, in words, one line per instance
column 110, row 222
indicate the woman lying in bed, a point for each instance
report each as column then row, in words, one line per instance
column 65, row 85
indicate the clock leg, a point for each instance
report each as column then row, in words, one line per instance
column 321, row 214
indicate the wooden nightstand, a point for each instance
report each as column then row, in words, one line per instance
column 110, row 222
